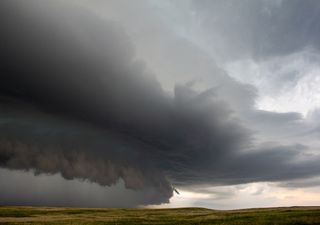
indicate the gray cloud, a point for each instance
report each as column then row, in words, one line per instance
column 98, row 82
column 44, row 190
column 259, row 29
column 301, row 183
column 75, row 100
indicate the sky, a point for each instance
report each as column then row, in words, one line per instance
column 118, row 103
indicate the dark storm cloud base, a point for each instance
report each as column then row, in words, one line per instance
column 75, row 101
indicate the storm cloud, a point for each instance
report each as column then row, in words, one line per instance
column 260, row 29
column 77, row 101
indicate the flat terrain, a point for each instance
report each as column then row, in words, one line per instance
column 181, row 216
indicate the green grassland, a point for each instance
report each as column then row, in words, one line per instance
column 181, row 216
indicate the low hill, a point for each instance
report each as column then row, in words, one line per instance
column 181, row 216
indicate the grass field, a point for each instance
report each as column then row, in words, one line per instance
column 181, row 216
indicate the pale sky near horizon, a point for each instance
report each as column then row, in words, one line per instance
column 113, row 103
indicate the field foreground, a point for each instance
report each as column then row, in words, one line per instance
column 181, row 216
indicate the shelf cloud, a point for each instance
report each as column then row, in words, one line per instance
column 76, row 100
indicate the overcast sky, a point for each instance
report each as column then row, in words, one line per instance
column 116, row 103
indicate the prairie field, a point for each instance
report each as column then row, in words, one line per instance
column 181, row 216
